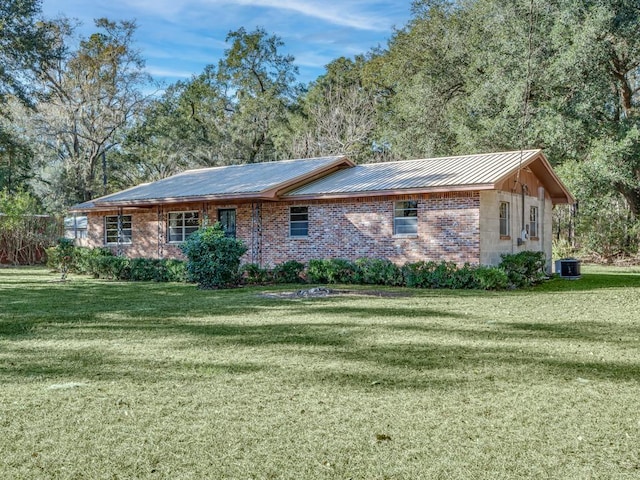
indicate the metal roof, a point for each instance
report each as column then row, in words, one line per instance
column 335, row 177
column 461, row 171
column 228, row 180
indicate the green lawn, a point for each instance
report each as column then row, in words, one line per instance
column 112, row 380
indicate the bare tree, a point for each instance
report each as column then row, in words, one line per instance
column 88, row 98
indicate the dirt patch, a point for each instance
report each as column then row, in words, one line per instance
column 321, row 292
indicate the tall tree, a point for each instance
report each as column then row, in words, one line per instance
column 89, row 98
column 337, row 114
column 27, row 46
column 260, row 88
column 232, row 112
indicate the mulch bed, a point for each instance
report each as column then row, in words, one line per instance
column 322, row 292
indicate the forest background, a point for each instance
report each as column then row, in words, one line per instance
column 80, row 117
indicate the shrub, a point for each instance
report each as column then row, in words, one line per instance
column 213, row 259
column 465, row 277
column 490, row 278
column 109, row 267
column 61, row 257
column 157, row 270
column 86, row 260
column 317, row 271
column 378, row 271
column 254, row 274
column 430, row 274
column 525, row 268
column 288, row 272
column 146, row 270
column 174, row 270
column 332, row 270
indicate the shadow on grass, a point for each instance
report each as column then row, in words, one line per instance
column 346, row 352
column 591, row 281
column 337, row 354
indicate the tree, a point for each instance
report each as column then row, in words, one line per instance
column 27, row 46
column 337, row 115
column 89, row 98
column 232, row 112
column 24, row 234
column 15, row 159
column 260, row 89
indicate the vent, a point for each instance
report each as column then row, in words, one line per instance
column 568, row 268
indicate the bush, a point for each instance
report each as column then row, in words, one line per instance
column 174, row 270
column 288, row 272
column 146, row 270
column 332, row 270
column 213, row 259
column 379, row 271
column 254, row 274
column 111, row 267
column 524, row 268
column 490, row 278
column 430, row 274
column 157, row 270
column 61, row 257
column 87, row 260
column 465, row 277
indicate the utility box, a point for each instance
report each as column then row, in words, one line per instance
column 568, row 268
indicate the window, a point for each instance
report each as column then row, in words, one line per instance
column 75, row 227
column 298, row 221
column 117, row 229
column 504, row 219
column 533, row 222
column 182, row 224
column 405, row 218
column 227, row 218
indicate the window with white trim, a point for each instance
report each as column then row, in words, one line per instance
column 182, row 224
column 298, row 221
column 117, row 229
column 505, row 219
column 405, row 218
column 533, row 222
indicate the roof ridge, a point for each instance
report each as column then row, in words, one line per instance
column 452, row 157
column 288, row 160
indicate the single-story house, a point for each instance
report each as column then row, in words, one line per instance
column 470, row 208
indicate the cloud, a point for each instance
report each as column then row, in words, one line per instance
column 336, row 13
column 167, row 73
column 178, row 38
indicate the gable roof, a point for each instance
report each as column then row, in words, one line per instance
column 466, row 172
column 253, row 180
column 336, row 177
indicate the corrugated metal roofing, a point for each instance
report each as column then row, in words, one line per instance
column 227, row 180
column 467, row 170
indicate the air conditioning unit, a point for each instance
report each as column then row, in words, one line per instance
column 568, row 268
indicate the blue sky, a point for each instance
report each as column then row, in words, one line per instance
column 178, row 38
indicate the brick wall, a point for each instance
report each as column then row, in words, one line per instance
column 448, row 229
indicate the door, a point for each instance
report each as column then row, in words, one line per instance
column 227, row 218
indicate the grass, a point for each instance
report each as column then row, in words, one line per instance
column 121, row 380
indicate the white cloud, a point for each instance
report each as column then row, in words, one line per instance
column 179, row 37
column 336, row 13
column 165, row 72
